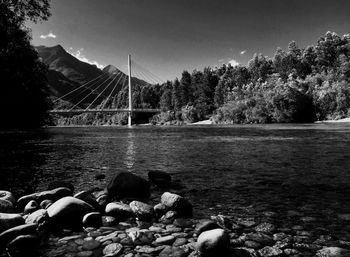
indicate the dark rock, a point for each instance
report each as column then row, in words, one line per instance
column 183, row 223
column 213, row 242
column 172, row 252
column 258, row 237
column 269, row 251
column 31, row 206
column 10, row 234
column 87, row 197
column 8, row 196
column 9, row 220
column 6, row 206
column 52, row 195
column 119, row 210
column 108, row 221
column 68, row 212
column 142, row 210
column 45, row 204
column 24, row 245
column 204, row 226
column 128, row 185
column 92, row 219
column 159, row 178
column 57, row 184
column 160, row 209
column 38, row 216
column 177, row 203
column 244, row 252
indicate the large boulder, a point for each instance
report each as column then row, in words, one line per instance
column 8, row 196
column 128, row 185
column 10, row 234
column 213, row 242
column 52, row 195
column 68, row 212
column 159, row 178
column 6, row 206
column 24, row 245
column 177, row 203
column 119, row 210
column 8, row 221
column 143, row 211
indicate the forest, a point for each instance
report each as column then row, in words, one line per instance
column 296, row 85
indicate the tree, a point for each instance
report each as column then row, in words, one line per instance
column 23, row 101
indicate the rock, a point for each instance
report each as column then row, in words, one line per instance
column 38, row 216
column 91, row 245
column 6, row 206
column 10, row 234
column 180, row 241
column 8, row 196
column 31, row 206
column 265, row 227
column 258, row 237
column 252, row 244
column 148, row 249
column 160, row 209
column 101, row 198
column 244, row 252
column 57, row 184
column 168, row 217
column 119, row 210
column 8, row 221
column 128, row 185
column 333, row 252
column 24, row 245
column 142, row 210
column 113, row 249
column 85, row 254
column 269, row 251
column 173, row 252
column 68, row 212
column 164, row 240
column 92, row 219
column 345, row 216
column 108, row 221
column 213, row 242
column 177, row 203
column 204, row 226
column 45, row 204
column 52, row 195
column 159, row 178
column 183, row 223
column 87, row 197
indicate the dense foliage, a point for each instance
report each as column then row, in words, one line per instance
column 22, row 75
column 297, row 85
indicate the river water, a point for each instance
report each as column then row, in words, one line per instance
column 291, row 173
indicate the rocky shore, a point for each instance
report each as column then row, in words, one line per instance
column 120, row 220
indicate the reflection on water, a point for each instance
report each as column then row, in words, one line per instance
column 304, row 168
column 130, row 151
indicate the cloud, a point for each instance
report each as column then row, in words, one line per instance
column 50, row 35
column 243, row 52
column 233, row 63
column 79, row 55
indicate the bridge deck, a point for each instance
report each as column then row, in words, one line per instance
column 78, row 111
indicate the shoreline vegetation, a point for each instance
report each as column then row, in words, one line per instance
column 135, row 217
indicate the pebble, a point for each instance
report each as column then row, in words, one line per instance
column 112, row 249
column 165, row 240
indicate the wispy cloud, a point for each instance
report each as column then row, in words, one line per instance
column 233, row 63
column 50, row 35
column 79, row 55
column 243, row 52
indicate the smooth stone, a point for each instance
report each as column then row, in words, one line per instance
column 177, row 203
column 87, row 197
column 126, row 184
column 38, row 216
column 148, row 249
column 92, row 219
column 91, row 245
column 164, row 240
column 183, row 223
column 118, row 210
column 85, row 254
column 10, row 234
column 31, row 206
column 8, row 196
column 113, row 249
column 213, row 242
column 9, row 220
column 24, row 245
column 269, row 251
column 108, row 221
column 68, row 212
column 53, row 195
column 244, row 252
column 45, row 204
column 258, row 237
column 6, row 206
column 205, row 225
column 180, row 241
column 172, row 252
column 142, row 210
column 160, row 209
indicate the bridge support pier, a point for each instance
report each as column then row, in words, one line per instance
column 130, row 93
column 129, row 119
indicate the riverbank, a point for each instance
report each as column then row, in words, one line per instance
column 121, row 220
column 345, row 120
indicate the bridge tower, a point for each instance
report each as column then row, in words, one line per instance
column 130, row 93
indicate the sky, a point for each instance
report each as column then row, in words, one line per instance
column 169, row 36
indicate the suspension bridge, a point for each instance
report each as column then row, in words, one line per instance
column 95, row 94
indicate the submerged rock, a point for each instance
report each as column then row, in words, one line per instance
column 213, row 242
column 128, row 185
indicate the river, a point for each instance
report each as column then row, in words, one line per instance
column 291, row 173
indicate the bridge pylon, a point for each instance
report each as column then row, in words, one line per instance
column 130, row 92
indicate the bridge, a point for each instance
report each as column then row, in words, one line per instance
column 99, row 86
